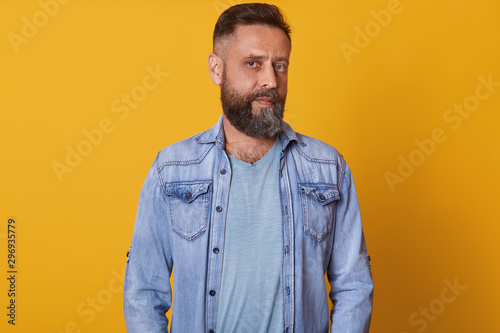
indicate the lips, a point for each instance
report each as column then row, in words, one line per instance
column 265, row 100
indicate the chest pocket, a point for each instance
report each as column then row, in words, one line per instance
column 318, row 208
column 189, row 206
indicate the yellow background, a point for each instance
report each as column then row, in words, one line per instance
column 440, row 224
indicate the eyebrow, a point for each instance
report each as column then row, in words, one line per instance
column 262, row 57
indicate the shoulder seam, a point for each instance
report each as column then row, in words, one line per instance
column 193, row 161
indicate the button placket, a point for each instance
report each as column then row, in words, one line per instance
column 219, row 201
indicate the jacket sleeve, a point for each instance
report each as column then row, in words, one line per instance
column 349, row 271
column 147, row 290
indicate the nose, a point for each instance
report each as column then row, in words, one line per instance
column 268, row 77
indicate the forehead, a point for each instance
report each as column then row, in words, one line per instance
column 260, row 40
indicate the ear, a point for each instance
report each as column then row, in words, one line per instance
column 215, row 68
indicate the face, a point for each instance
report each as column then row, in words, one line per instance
column 254, row 80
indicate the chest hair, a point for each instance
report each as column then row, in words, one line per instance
column 247, row 155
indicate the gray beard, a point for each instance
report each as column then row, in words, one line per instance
column 238, row 110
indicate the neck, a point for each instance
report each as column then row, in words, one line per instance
column 245, row 148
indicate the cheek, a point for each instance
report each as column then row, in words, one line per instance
column 243, row 81
column 283, row 86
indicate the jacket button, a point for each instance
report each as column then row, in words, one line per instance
column 189, row 195
column 212, row 292
column 216, row 250
column 218, row 208
column 223, row 171
column 321, row 197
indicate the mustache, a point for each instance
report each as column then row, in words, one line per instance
column 270, row 93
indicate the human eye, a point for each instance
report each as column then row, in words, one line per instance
column 252, row 64
column 280, row 67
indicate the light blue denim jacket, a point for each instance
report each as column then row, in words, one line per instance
column 179, row 230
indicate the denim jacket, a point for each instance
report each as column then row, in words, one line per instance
column 179, row 230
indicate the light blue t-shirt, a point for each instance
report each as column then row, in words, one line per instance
column 251, row 299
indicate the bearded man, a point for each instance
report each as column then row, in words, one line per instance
column 249, row 215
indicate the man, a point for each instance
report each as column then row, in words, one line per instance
column 248, row 216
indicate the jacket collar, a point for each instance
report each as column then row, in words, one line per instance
column 216, row 135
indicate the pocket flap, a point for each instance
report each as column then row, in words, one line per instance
column 187, row 191
column 322, row 193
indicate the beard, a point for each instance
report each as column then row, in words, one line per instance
column 238, row 109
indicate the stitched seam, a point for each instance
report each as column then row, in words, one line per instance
column 317, row 160
column 195, row 161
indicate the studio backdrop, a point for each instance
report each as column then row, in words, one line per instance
column 407, row 90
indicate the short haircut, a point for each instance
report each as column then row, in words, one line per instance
column 249, row 14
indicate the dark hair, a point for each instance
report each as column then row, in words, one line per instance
column 247, row 14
